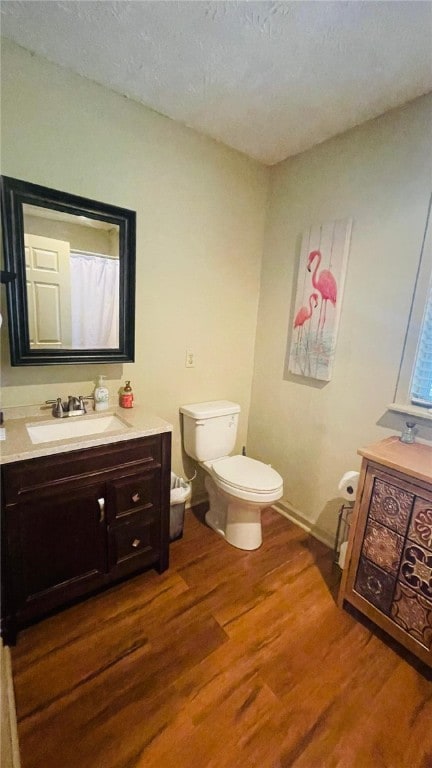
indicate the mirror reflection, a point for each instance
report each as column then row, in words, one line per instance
column 70, row 268
column 72, row 280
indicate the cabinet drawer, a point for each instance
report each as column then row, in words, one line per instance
column 375, row 585
column 383, row 547
column 137, row 536
column 391, row 505
column 413, row 613
column 420, row 529
column 416, row 569
column 133, row 493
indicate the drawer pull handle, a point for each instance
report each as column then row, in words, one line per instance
column 136, row 543
column 135, row 497
column 101, row 503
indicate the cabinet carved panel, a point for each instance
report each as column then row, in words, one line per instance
column 375, row 585
column 416, row 569
column 382, row 546
column 391, row 506
column 421, row 524
column 414, row 614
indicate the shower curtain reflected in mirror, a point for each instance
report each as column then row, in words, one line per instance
column 95, row 300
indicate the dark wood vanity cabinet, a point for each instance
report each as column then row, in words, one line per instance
column 75, row 522
column 388, row 573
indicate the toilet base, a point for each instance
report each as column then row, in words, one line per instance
column 237, row 521
column 214, row 523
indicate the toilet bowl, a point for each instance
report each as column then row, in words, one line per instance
column 239, row 487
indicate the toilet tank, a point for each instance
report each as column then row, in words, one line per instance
column 210, row 429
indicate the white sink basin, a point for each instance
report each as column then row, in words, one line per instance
column 80, row 426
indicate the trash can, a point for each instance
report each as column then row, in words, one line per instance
column 180, row 492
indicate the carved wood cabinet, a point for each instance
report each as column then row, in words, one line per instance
column 75, row 522
column 388, row 572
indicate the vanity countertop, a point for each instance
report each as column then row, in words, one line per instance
column 18, row 446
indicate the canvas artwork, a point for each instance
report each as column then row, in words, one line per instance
column 320, row 284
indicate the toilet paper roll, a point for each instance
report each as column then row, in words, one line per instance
column 348, row 485
column 342, row 555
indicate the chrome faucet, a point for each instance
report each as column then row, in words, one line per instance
column 73, row 403
column 57, row 409
column 75, row 406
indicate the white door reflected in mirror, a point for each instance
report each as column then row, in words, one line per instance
column 72, row 269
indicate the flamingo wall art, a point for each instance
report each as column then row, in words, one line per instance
column 320, row 284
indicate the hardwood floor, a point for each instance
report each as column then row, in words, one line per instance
column 230, row 659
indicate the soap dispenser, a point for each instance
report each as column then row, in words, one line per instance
column 126, row 396
column 101, row 395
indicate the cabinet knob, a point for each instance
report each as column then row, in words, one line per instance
column 136, row 543
column 135, row 497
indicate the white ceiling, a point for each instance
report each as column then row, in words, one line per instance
column 270, row 79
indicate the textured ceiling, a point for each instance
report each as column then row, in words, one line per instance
column 270, row 79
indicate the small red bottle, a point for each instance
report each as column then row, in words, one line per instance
column 126, row 396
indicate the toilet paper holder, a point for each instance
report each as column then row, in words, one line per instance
column 343, row 528
column 347, row 488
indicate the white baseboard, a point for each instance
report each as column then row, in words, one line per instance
column 286, row 510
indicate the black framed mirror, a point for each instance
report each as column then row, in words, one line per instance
column 71, row 264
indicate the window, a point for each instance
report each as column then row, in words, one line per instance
column 421, row 384
column 414, row 387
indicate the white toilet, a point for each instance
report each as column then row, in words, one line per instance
column 238, row 487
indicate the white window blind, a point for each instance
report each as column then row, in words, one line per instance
column 421, row 385
column 414, row 386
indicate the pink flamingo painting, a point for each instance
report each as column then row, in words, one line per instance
column 323, row 258
column 325, row 284
column 304, row 313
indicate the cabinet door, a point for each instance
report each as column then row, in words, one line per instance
column 61, row 547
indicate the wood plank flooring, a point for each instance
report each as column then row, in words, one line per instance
column 230, row 659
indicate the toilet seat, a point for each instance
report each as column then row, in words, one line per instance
column 247, row 478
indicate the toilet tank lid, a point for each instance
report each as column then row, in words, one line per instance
column 210, row 409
